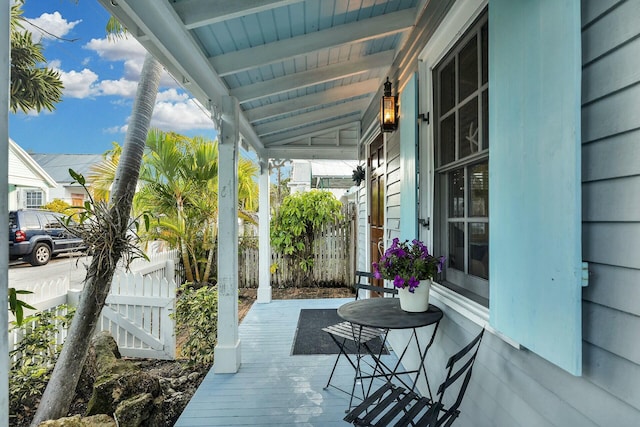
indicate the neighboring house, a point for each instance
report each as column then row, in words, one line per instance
column 329, row 175
column 58, row 165
column 29, row 183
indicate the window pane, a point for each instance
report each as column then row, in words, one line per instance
column 447, row 140
column 456, row 194
column 33, row 199
column 479, row 186
column 52, row 221
column 468, row 60
column 485, row 119
column 468, row 133
column 30, row 220
column 456, row 245
column 479, row 249
column 447, row 87
column 484, row 35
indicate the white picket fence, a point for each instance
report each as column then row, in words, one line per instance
column 137, row 314
column 46, row 296
column 137, row 310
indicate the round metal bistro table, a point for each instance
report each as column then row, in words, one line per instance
column 386, row 314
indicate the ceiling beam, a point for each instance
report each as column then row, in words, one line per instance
column 346, row 108
column 308, row 131
column 309, row 78
column 359, row 31
column 198, row 13
column 310, row 153
column 335, row 94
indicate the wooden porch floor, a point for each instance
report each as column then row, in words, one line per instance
column 272, row 387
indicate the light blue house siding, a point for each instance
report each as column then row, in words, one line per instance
column 514, row 386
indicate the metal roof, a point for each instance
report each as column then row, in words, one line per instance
column 303, row 71
column 58, row 165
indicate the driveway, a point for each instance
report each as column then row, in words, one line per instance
column 23, row 275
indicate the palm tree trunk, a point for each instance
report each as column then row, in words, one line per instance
column 207, row 270
column 60, row 390
column 183, row 245
column 185, row 260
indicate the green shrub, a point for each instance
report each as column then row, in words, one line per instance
column 300, row 215
column 197, row 314
column 33, row 359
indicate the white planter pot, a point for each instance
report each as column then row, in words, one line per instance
column 418, row 301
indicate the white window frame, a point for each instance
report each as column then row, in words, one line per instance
column 461, row 16
column 33, row 191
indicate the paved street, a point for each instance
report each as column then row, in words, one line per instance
column 22, row 275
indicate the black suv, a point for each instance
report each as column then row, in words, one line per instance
column 38, row 235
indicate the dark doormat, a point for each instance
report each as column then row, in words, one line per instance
column 311, row 339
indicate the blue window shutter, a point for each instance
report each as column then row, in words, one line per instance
column 408, row 158
column 534, row 174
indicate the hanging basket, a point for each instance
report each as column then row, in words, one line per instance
column 416, row 301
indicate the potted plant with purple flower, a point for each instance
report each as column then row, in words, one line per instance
column 411, row 268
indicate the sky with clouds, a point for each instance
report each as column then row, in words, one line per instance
column 100, row 79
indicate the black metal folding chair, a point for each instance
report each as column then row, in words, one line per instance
column 393, row 405
column 344, row 332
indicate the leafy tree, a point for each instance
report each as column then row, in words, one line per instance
column 33, row 87
column 300, row 216
column 180, row 177
column 57, row 205
column 177, row 173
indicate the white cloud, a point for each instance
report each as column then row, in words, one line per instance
column 180, row 116
column 185, row 115
column 129, row 51
column 116, row 129
column 122, row 87
column 79, row 84
column 171, row 95
column 49, row 26
column 121, row 49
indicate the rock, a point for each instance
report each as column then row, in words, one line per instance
column 165, row 384
column 142, row 409
column 111, row 389
column 178, row 382
column 193, row 376
column 173, row 406
column 101, row 420
column 116, row 380
column 107, row 356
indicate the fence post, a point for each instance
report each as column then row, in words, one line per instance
column 170, row 270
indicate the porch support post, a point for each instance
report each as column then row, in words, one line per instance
column 5, row 49
column 227, row 349
column 264, row 242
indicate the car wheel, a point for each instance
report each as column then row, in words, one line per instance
column 41, row 254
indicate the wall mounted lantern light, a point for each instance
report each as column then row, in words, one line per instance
column 388, row 109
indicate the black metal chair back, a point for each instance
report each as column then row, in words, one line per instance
column 393, row 405
column 362, row 282
column 455, row 374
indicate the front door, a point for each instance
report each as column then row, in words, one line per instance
column 376, row 190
